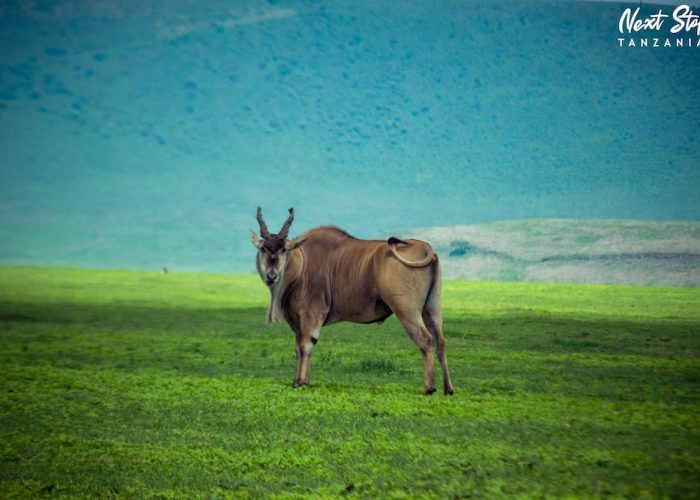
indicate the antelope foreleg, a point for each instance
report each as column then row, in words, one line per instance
column 305, row 346
column 297, row 350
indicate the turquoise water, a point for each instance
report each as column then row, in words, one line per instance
column 146, row 136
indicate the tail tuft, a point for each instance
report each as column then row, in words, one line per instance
column 394, row 241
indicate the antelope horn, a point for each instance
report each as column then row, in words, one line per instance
column 287, row 223
column 263, row 227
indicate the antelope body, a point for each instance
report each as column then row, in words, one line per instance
column 326, row 276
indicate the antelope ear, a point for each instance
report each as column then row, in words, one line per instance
column 292, row 244
column 257, row 242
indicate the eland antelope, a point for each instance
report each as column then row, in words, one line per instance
column 326, row 276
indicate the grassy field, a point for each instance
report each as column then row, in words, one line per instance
column 138, row 384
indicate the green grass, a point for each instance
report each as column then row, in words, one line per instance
column 132, row 384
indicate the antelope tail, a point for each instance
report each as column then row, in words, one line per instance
column 421, row 263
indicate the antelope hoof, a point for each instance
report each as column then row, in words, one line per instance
column 429, row 391
column 296, row 384
column 449, row 391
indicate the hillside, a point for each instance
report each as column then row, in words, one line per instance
column 146, row 135
column 573, row 251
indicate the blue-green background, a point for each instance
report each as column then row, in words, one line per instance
column 146, row 135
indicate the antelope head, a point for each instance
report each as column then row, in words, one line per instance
column 273, row 249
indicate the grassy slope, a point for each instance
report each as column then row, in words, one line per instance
column 571, row 251
column 133, row 383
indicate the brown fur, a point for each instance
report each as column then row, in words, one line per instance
column 329, row 276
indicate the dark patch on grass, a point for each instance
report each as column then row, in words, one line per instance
column 378, row 365
column 11, row 318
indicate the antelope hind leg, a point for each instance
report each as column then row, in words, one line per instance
column 418, row 332
column 433, row 321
